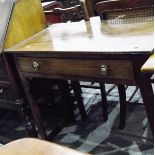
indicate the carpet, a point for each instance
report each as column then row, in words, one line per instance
column 94, row 135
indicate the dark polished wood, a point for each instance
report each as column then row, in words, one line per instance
column 78, row 67
column 121, row 4
column 78, row 12
column 77, row 91
column 146, row 89
column 122, row 49
column 104, row 101
column 91, row 7
column 122, row 97
column 50, row 19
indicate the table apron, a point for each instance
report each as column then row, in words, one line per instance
column 110, row 71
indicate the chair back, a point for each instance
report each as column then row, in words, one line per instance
column 125, row 9
column 27, row 18
column 72, row 13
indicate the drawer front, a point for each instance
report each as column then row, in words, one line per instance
column 114, row 69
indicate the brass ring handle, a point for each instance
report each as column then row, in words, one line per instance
column 35, row 65
column 104, row 70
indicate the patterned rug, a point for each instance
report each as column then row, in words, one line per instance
column 94, row 135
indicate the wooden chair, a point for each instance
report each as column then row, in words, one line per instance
column 79, row 12
column 10, row 96
column 148, row 67
column 115, row 5
column 29, row 146
column 20, row 28
column 50, row 5
column 75, row 85
column 115, row 10
column 20, row 33
column 59, row 12
column 12, row 99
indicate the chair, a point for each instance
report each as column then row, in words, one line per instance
column 12, row 99
column 50, row 5
column 115, row 10
column 148, row 67
column 31, row 146
column 74, row 13
column 75, row 85
column 78, row 14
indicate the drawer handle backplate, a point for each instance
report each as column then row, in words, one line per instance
column 35, row 65
column 104, row 70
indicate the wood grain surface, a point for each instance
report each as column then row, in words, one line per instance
column 117, row 69
column 92, row 36
column 148, row 67
column 29, row 146
column 26, row 20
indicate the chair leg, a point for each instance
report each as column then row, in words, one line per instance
column 104, row 102
column 122, row 97
column 77, row 91
column 67, row 103
column 25, row 114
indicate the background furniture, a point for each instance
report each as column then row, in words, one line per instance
column 21, row 31
column 12, row 99
column 10, row 96
column 60, row 12
column 50, row 19
column 114, row 12
column 66, row 11
column 75, row 85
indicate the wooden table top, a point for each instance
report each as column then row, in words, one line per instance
column 148, row 67
column 123, row 35
column 30, row 146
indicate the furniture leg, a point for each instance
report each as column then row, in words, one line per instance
column 104, row 102
column 122, row 98
column 67, row 104
column 148, row 98
column 77, row 91
column 25, row 114
column 24, row 88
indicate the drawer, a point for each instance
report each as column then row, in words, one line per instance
column 114, row 69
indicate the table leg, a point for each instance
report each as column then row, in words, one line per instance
column 104, row 101
column 23, row 88
column 148, row 98
column 122, row 97
column 35, row 110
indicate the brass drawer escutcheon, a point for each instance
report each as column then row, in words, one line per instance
column 104, row 70
column 35, row 66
